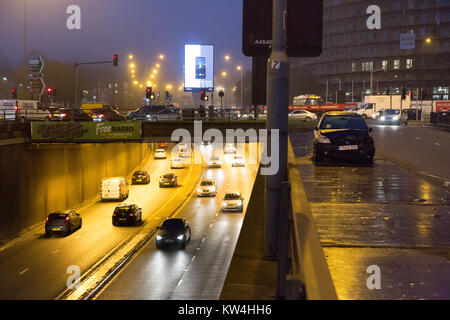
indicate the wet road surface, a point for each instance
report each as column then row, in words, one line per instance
column 379, row 215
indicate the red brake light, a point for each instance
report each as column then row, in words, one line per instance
column 67, row 219
column 114, row 214
column 46, row 220
column 131, row 214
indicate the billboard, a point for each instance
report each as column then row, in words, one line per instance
column 85, row 131
column 198, row 67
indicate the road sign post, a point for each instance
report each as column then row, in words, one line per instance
column 277, row 119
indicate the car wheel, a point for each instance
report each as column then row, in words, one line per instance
column 317, row 156
column 406, row 123
column 133, row 118
column 114, row 223
column 70, row 230
column 307, row 119
column 47, row 119
column 183, row 245
column 160, row 185
column 23, row 120
column 364, row 116
column 48, row 234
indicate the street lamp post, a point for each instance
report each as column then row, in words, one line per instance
column 371, row 78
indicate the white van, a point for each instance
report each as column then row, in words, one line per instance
column 23, row 110
column 114, row 189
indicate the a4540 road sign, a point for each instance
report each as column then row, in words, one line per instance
column 85, row 131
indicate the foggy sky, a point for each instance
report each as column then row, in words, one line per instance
column 142, row 27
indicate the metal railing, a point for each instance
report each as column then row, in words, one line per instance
column 302, row 268
column 441, row 118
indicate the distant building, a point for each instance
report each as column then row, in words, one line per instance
column 408, row 39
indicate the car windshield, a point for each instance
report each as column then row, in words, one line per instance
column 215, row 159
column 238, row 157
column 232, row 196
column 393, row 111
column 173, row 225
column 139, row 173
column 342, row 122
column 168, row 176
column 206, row 183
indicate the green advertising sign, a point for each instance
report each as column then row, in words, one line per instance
column 85, row 131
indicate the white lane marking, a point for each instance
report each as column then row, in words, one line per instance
column 193, row 258
column 437, row 144
column 55, row 251
column 179, row 282
column 210, row 225
column 203, row 239
column 23, row 271
column 417, row 138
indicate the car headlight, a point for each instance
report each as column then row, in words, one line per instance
column 374, row 115
column 395, row 118
column 224, row 204
column 210, row 162
column 323, row 139
column 199, row 190
column 241, row 203
column 158, row 237
column 180, row 237
column 382, row 118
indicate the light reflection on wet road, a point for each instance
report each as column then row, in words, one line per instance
column 379, row 215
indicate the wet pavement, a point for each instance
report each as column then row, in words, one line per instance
column 379, row 215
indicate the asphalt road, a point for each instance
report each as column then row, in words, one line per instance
column 35, row 267
column 423, row 150
column 198, row 271
column 384, row 216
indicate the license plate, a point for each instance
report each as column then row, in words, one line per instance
column 170, row 240
column 122, row 219
column 351, row 147
column 56, row 229
column 138, row 180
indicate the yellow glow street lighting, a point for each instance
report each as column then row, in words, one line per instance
column 161, row 56
column 155, row 71
column 224, row 74
column 135, row 82
column 132, row 65
column 132, row 71
column 130, row 56
column 428, row 40
column 152, row 76
column 158, row 65
column 239, row 68
column 169, row 87
column 133, row 76
column 227, row 57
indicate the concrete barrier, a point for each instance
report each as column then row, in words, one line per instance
column 36, row 179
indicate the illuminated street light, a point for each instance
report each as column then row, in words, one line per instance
column 132, row 71
column 224, row 74
column 130, row 56
column 227, row 57
column 238, row 68
column 135, row 82
column 161, row 56
column 152, row 76
column 428, row 40
column 169, row 87
column 155, row 71
column 158, row 65
column 132, row 65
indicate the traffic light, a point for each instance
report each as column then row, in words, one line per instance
column 403, row 93
column 148, row 92
column 116, row 60
column 221, row 94
column 50, row 92
column 203, row 96
column 14, row 93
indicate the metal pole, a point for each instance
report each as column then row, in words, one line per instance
column 76, row 86
column 242, row 87
column 277, row 119
column 353, row 87
column 326, row 94
column 371, row 82
column 25, row 30
column 417, row 104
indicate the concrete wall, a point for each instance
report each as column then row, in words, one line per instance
column 36, row 179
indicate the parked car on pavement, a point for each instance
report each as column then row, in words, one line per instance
column 344, row 136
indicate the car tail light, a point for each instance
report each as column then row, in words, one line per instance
column 67, row 219
column 114, row 214
column 16, row 108
column 100, row 115
column 131, row 214
column 46, row 220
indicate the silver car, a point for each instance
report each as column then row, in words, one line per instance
column 233, row 201
column 393, row 116
column 207, row 188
